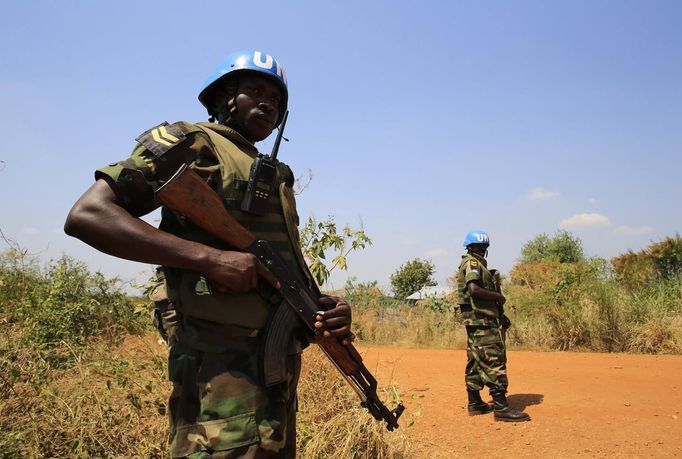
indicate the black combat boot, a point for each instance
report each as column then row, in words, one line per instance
column 504, row 413
column 477, row 406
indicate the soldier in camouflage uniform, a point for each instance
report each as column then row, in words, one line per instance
column 481, row 303
column 213, row 303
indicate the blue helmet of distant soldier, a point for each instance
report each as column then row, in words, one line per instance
column 476, row 237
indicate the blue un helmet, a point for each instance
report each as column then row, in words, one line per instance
column 476, row 237
column 246, row 61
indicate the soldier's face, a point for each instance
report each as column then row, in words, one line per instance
column 479, row 249
column 257, row 102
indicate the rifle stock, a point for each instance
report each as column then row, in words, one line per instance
column 186, row 193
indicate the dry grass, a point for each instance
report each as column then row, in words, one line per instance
column 112, row 403
column 333, row 425
column 97, row 396
column 108, row 405
column 409, row 326
column 582, row 307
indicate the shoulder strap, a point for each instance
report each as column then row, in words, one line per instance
column 162, row 138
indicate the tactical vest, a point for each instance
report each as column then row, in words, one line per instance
column 189, row 291
column 480, row 308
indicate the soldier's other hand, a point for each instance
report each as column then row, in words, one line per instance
column 335, row 319
column 237, row 272
column 505, row 322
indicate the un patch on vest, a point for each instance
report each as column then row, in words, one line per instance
column 162, row 138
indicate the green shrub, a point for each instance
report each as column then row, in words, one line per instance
column 49, row 313
column 412, row 277
column 367, row 294
column 563, row 247
column 63, row 301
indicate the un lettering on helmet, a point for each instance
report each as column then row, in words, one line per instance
column 476, row 237
column 268, row 64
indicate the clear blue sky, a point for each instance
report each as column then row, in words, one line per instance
column 422, row 119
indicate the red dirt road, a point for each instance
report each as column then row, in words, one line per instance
column 581, row 404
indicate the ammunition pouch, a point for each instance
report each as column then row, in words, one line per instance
column 157, row 321
column 164, row 316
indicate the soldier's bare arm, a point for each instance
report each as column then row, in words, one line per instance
column 481, row 293
column 98, row 219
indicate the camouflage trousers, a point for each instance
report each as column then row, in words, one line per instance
column 486, row 359
column 218, row 408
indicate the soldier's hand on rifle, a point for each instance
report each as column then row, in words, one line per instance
column 501, row 300
column 236, row 272
column 335, row 321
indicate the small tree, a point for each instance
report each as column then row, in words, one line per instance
column 412, row 277
column 318, row 238
column 562, row 248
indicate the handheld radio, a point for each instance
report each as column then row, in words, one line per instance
column 262, row 177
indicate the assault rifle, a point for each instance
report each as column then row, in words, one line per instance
column 505, row 323
column 186, row 193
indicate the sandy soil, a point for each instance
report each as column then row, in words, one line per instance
column 582, row 405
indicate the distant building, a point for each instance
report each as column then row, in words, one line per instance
column 430, row 292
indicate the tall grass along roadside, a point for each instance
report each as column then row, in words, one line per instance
column 584, row 306
column 84, row 376
column 580, row 306
column 333, row 425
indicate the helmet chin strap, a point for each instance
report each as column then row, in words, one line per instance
column 227, row 111
column 226, row 104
